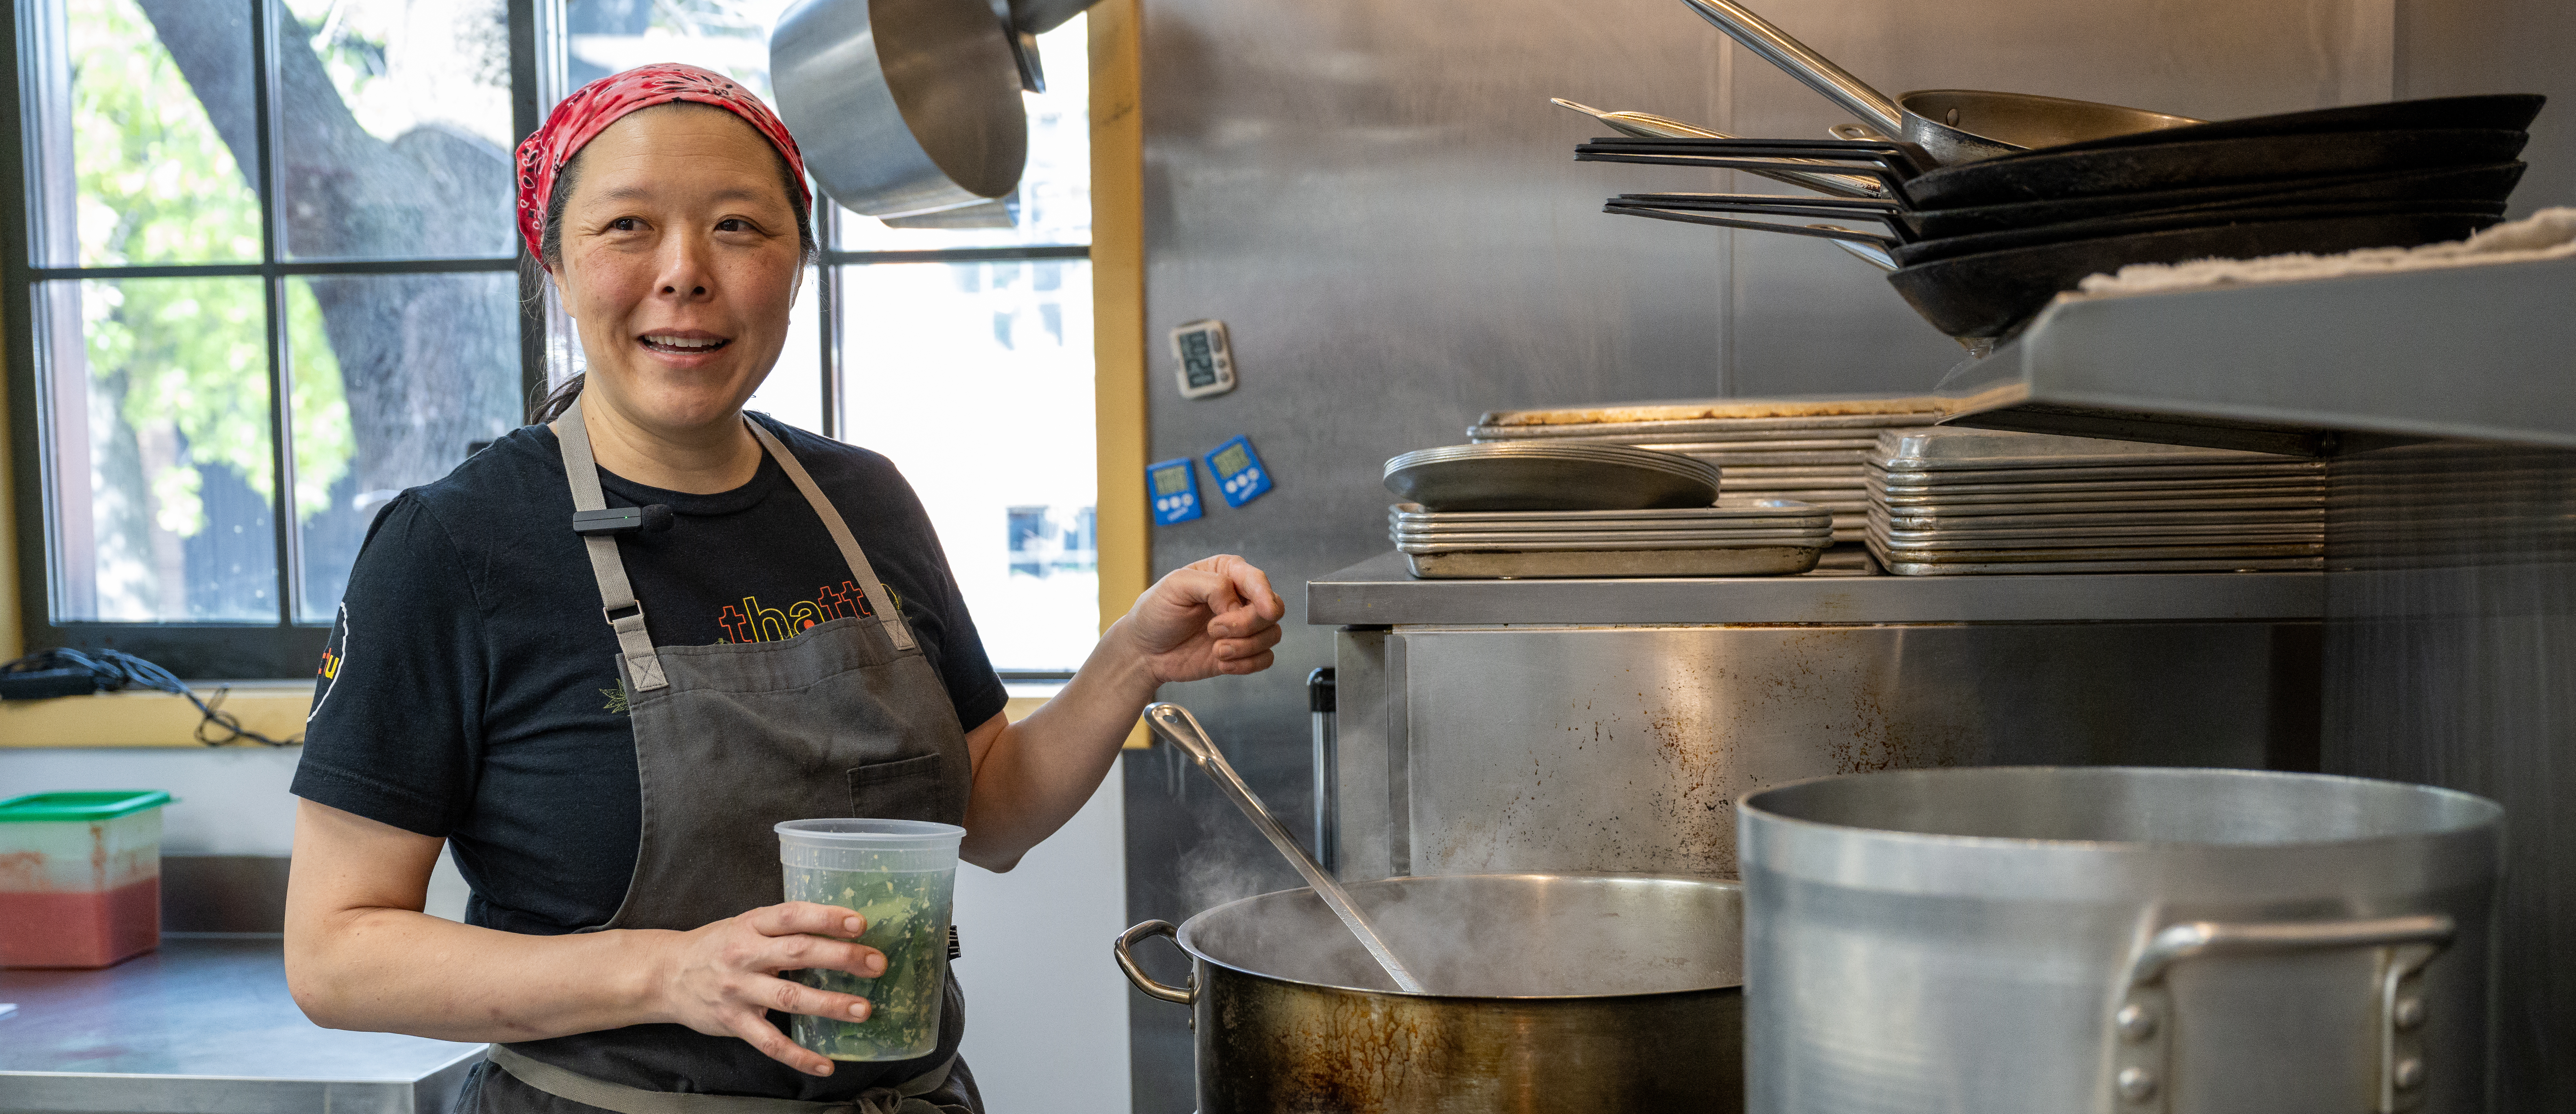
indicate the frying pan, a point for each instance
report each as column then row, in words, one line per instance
column 2059, row 175
column 1646, row 125
column 1952, row 125
column 2475, row 189
column 1902, row 253
column 1990, row 294
column 2496, row 111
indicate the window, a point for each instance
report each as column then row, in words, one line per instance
column 267, row 279
column 264, row 282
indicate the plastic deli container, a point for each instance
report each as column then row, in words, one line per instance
column 80, row 877
column 901, row 876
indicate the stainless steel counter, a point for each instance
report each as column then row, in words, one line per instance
column 205, row 1026
column 1378, row 592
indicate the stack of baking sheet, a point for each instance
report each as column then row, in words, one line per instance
column 1955, row 501
column 1808, row 449
column 1737, row 537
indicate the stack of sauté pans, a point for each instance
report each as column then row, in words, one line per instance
column 1982, row 207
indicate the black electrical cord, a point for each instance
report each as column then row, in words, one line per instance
column 115, row 670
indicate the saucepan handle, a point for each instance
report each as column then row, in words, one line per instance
column 2143, row 1022
column 1136, row 974
column 1818, row 231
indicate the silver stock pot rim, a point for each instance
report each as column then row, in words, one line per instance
column 2295, row 834
column 1192, row 935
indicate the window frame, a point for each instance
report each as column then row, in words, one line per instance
column 287, row 648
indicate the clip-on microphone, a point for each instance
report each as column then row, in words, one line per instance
column 651, row 519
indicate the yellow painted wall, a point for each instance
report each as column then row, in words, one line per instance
column 1118, row 308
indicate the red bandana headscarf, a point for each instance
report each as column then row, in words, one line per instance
column 589, row 111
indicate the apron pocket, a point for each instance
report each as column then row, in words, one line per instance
column 904, row 789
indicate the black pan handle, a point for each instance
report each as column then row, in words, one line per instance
column 1906, row 158
column 1891, row 183
column 1885, row 212
column 1821, row 232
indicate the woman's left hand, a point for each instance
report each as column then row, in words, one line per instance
column 1211, row 617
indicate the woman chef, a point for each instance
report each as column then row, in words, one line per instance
column 605, row 726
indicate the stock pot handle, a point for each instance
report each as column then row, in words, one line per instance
column 1136, row 974
column 2142, row 1026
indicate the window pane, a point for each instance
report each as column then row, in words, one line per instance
column 160, row 453
column 793, row 393
column 1003, row 352
column 394, row 129
column 730, row 37
column 130, row 165
column 395, row 378
column 1053, row 203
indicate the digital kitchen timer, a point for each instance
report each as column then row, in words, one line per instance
column 1174, row 487
column 1238, row 472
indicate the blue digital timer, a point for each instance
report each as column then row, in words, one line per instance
column 1238, row 472
column 1174, row 487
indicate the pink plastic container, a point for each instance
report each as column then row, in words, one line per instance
column 80, row 878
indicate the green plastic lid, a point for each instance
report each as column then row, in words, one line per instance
column 80, row 807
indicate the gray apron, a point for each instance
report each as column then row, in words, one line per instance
column 846, row 718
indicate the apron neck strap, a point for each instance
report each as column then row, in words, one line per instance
column 879, row 600
column 617, row 595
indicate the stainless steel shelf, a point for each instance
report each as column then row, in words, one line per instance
column 1378, row 592
column 2478, row 353
column 205, row 1025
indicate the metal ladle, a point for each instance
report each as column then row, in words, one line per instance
column 1177, row 726
column 1952, row 125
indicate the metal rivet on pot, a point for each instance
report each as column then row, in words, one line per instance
column 2409, row 1013
column 2135, row 1023
column 1952, row 119
column 2138, row 1084
column 2409, row 1074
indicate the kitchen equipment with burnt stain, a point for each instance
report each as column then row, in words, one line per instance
column 1572, row 993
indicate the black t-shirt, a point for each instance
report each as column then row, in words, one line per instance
column 470, row 690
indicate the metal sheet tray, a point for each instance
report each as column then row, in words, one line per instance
column 1947, row 447
column 1909, row 519
column 1524, row 543
column 2304, row 481
column 1607, row 564
column 2282, row 564
column 2100, row 514
column 1921, row 497
column 1799, row 475
column 1726, row 510
column 2076, row 474
column 1903, row 531
column 1778, row 460
column 1861, row 438
column 1815, row 409
column 2097, row 553
column 1918, row 544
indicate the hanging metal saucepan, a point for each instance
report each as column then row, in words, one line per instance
column 902, row 106
column 1953, row 125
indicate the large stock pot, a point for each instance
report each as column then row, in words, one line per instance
column 2117, row 941
column 1557, row 993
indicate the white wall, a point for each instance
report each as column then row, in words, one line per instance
column 1046, row 1009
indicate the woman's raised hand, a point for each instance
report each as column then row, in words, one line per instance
column 1214, row 616
column 723, row 978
